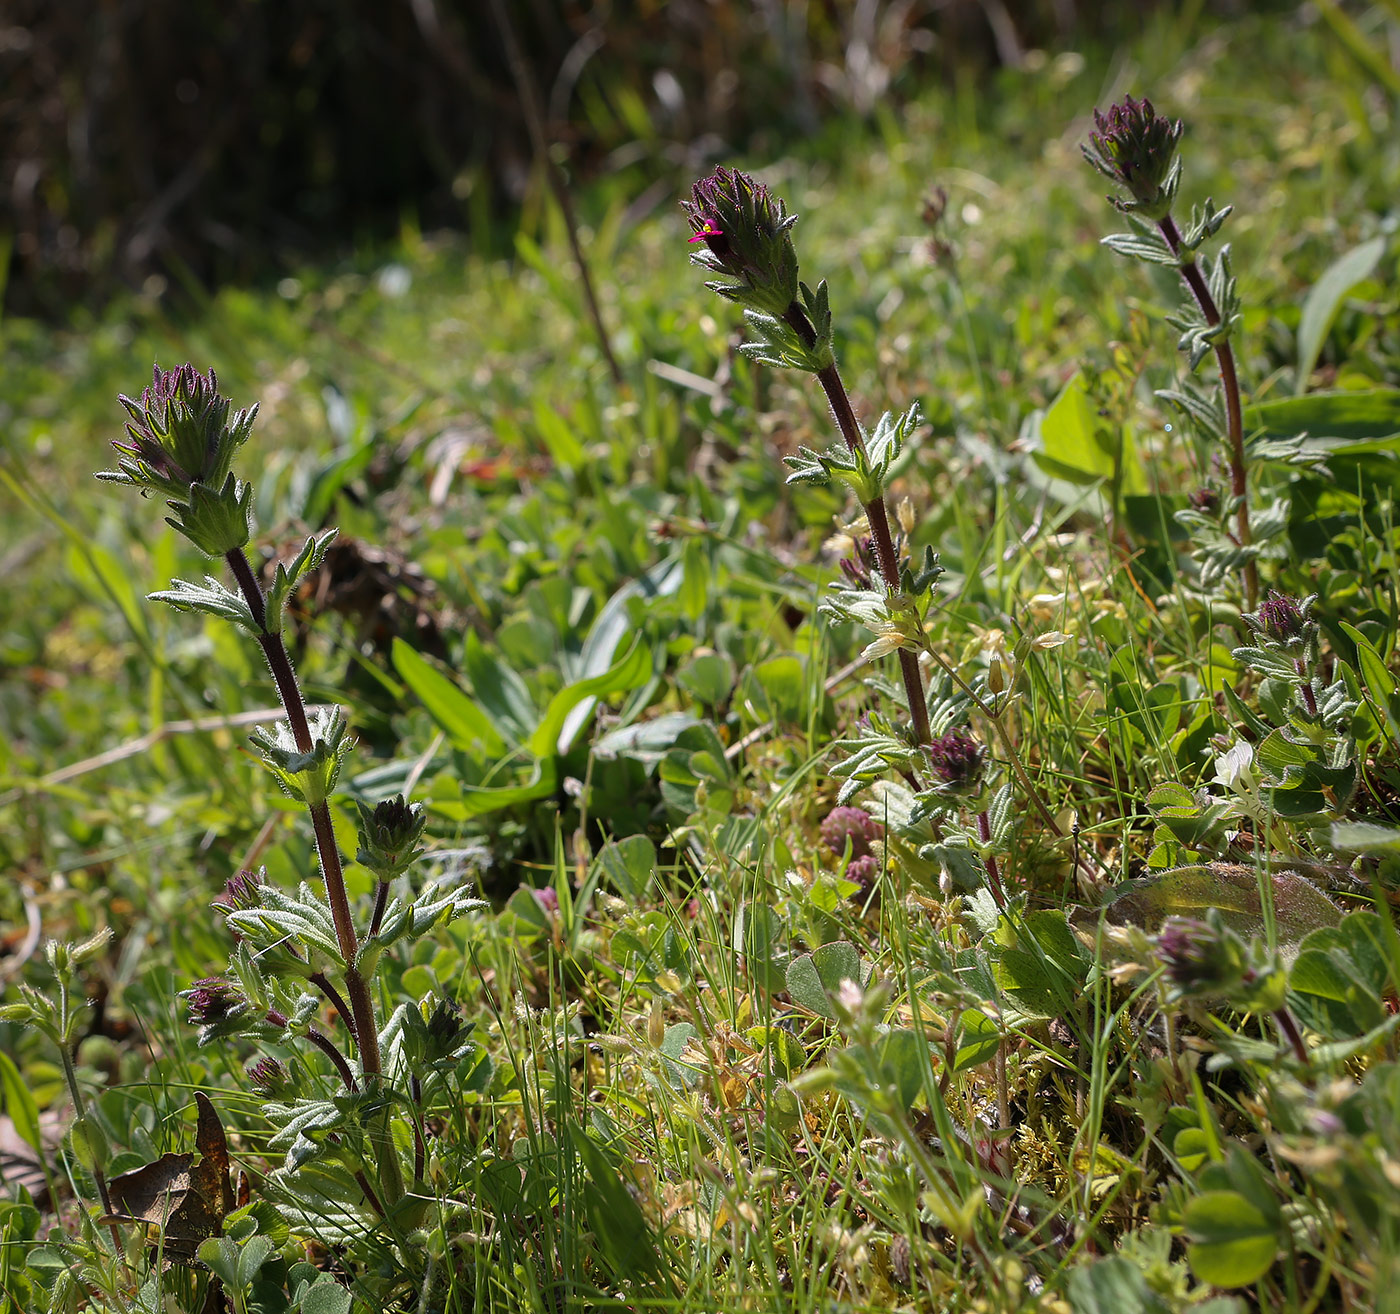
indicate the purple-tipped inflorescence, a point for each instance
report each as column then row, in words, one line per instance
column 1281, row 619
column 743, row 232
column 180, row 445
column 179, row 433
column 858, row 567
column 1204, row 500
column 1199, row 957
column 268, row 1077
column 1136, row 148
column 858, row 828
column 214, row 1000
column 956, row 760
column 240, row 893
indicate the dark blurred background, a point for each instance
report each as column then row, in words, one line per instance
column 228, row 140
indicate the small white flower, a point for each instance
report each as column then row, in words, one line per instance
column 1234, row 768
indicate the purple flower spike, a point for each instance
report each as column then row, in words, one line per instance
column 241, row 891
column 1136, row 149
column 1281, row 618
column 1199, row 957
column 268, row 1077
column 214, row 1000
column 744, row 232
column 956, row 759
column 179, row 433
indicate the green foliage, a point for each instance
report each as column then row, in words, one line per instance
column 648, row 1037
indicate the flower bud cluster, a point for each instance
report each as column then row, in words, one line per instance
column 180, row 445
column 389, row 835
column 1137, row 149
column 1284, row 622
column 956, row 761
column 744, row 234
column 1205, row 958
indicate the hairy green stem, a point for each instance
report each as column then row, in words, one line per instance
column 1234, row 412
column 876, row 515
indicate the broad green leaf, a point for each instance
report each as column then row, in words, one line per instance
column 708, row 678
column 978, row 1041
column 1324, row 300
column 565, row 450
column 102, row 574
column 615, row 1218
column 1191, row 1148
column 902, row 1056
column 610, row 630
column 1232, row 1244
column 1299, row 906
column 1039, row 963
column 758, row 932
column 19, row 1104
column 783, row 680
column 558, row 728
column 695, row 588
column 481, row 800
column 629, row 864
column 785, row 1050
column 326, row 1297
column 614, row 624
column 1365, row 837
column 647, row 741
column 1340, row 977
column 464, row 723
column 684, row 1072
column 1379, row 680
column 499, row 691
column 813, row 978
column 1073, row 447
column 1339, row 421
column 1113, row 1285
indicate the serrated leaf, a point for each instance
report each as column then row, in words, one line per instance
column 289, row 574
column 1141, row 246
column 213, row 599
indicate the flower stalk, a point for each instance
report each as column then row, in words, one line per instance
column 366, row 1031
column 1234, row 410
column 180, row 443
column 743, row 233
column 1136, row 149
column 876, row 515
